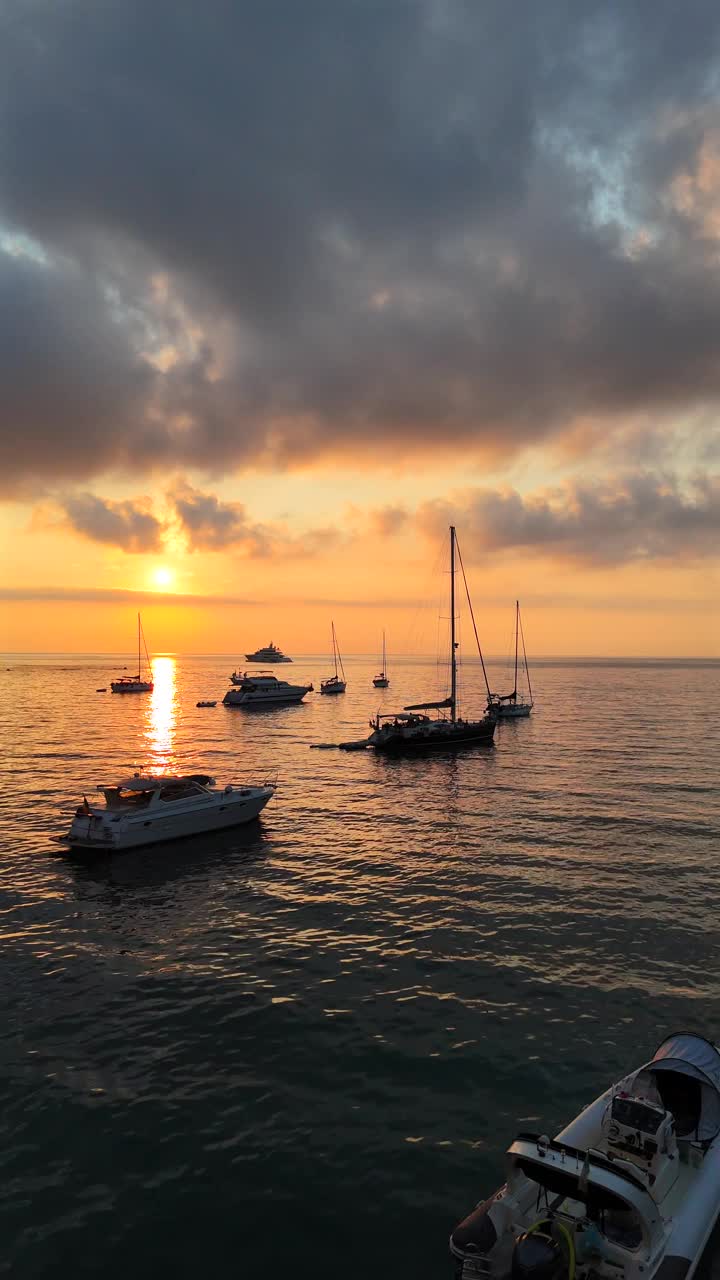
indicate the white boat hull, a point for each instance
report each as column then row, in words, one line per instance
column 659, row 1181
column 265, row 698
column 131, row 686
column 380, row 682
column 333, row 686
column 101, row 829
column 512, row 712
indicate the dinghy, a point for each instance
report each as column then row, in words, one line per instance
column 630, row 1190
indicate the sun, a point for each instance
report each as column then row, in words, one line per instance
column 162, row 577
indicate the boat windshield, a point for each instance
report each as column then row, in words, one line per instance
column 117, row 798
column 180, row 791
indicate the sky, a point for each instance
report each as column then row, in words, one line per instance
column 286, row 289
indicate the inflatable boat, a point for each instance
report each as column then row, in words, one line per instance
column 630, row 1190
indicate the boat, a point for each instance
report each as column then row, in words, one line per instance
column 630, row 1190
column 146, row 809
column 263, row 691
column 336, row 683
column 381, row 681
column 206, row 703
column 411, row 729
column 270, row 653
column 135, row 684
column 512, row 706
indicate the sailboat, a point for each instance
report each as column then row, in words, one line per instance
column 381, row 681
column 336, row 683
column 135, row 684
column 411, row 729
column 511, row 706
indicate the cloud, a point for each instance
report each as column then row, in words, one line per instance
column 273, row 233
column 212, row 525
column 128, row 525
column 635, row 518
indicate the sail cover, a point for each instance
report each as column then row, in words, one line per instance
column 429, row 706
column 689, row 1055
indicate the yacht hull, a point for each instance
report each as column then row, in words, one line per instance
column 519, row 712
column 242, row 698
column 132, row 686
column 224, row 810
column 432, row 739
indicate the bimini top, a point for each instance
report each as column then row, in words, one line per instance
column 150, row 782
column 692, row 1058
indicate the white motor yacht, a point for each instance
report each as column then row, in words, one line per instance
column 145, row 809
column 264, row 691
column 270, row 653
column 630, row 1190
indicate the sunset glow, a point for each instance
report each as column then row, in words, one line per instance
column 162, row 577
column 247, row 413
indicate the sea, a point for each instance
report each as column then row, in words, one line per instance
column 301, row 1048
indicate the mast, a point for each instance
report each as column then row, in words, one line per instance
column 517, row 619
column 138, row 646
column 527, row 671
column 453, row 661
column 384, row 665
column 332, row 624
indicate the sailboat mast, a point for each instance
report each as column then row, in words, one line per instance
column 517, row 619
column 453, row 662
column 384, row 665
column 334, row 642
column 138, row 646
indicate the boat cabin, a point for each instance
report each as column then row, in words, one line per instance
column 138, row 792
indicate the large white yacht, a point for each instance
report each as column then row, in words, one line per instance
column 270, row 653
column 263, row 690
column 145, row 809
column 630, row 1190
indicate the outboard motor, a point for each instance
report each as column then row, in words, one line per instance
column 474, row 1236
column 538, row 1256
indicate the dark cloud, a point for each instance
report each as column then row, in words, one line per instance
column 411, row 224
column 210, row 524
column 634, row 518
column 128, row 525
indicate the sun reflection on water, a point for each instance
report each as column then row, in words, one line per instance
column 160, row 720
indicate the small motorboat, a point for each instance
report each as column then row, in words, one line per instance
column 103, row 690
column 264, row 691
column 206, row 703
column 630, row 1190
column 146, row 809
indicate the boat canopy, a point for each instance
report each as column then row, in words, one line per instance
column 149, row 783
column 429, row 706
column 687, row 1074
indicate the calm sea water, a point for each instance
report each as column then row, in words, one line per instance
column 301, row 1048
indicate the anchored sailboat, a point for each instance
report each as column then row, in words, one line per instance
column 135, row 684
column 410, row 730
column 336, row 683
column 511, row 706
column 381, row 681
